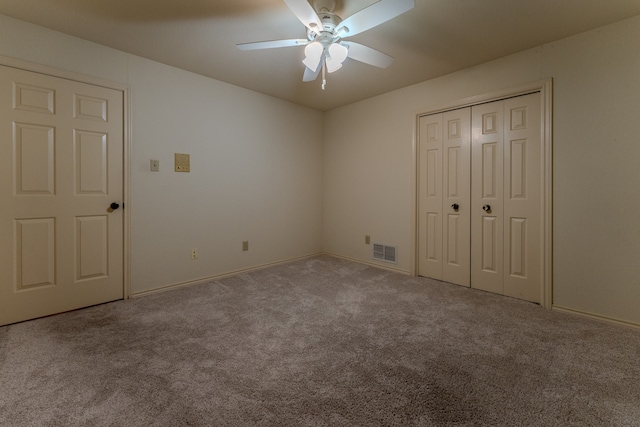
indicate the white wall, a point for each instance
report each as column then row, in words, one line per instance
column 596, row 170
column 368, row 156
column 368, row 164
column 256, row 173
column 255, row 163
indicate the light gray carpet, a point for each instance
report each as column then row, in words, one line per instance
column 319, row 342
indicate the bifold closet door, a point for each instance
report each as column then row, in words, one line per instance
column 505, row 197
column 444, row 171
column 486, row 198
column 479, row 197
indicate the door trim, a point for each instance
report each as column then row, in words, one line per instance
column 545, row 88
column 126, row 140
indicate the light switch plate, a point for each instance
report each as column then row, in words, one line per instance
column 154, row 166
column 182, row 162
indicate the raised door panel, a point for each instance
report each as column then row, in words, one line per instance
column 33, row 98
column 90, row 108
column 35, row 243
column 92, row 247
column 34, row 166
column 91, row 152
column 430, row 196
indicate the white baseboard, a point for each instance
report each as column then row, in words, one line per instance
column 371, row 264
column 220, row 276
column 596, row 317
column 558, row 308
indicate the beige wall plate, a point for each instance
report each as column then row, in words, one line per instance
column 182, row 162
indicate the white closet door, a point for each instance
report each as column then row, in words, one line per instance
column 522, row 195
column 444, row 171
column 456, row 175
column 487, row 197
column 505, row 195
column 479, row 197
column 430, row 196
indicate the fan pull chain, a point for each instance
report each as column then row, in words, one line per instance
column 324, row 75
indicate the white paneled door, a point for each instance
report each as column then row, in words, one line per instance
column 430, row 196
column 444, row 205
column 61, row 157
column 480, row 197
column 487, row 199
column 506, row 197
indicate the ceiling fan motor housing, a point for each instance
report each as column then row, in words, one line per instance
column 329, row 23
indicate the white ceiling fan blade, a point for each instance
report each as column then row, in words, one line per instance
column 272, row 44
column 310, row 75
column 373, row 16
column 367, row 55
column 305, row 13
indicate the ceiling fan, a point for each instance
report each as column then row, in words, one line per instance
column 325, row 47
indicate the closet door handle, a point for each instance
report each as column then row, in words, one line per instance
column 486, row 208
column 455, row 207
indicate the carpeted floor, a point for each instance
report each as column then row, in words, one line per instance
column 319, row 342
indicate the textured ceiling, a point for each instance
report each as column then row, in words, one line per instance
column 436, row 38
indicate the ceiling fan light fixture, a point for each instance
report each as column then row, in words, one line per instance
column 333, row 65
column 337, row 54
column 311, row 63
column 313, row 55
column 325, row 49
column 313, row 50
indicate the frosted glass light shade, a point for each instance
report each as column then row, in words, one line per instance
column 337, row 55
column 313, row 52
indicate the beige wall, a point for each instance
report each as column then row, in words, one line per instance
column 596, row 170
column 261, row 172
column 255, row 163
column 368, row 157
column 255, row 175
column 368, row 164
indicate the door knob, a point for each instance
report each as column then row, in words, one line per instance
column 486, row 208
column 114, row 206
column 455, row 206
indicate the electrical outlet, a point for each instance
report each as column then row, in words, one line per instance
column 367, row 240
column 194, row 253
column 154, row 166
column 245, row 245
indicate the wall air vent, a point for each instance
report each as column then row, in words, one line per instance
column 385, row 253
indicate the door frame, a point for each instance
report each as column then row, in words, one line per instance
column 545, row 88
column 126, row 149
